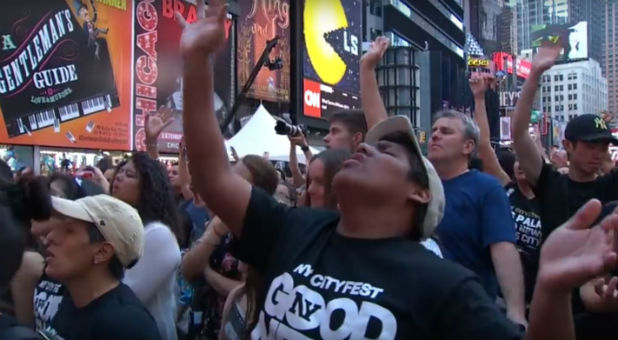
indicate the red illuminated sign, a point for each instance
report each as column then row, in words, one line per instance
column 312, row 99
column 523, row 65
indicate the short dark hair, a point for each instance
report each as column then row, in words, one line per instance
column 354, row 120
column 417, row 174
column 72, row 189
column 263, row 173
column 104, row 164
column 115, row 267
column 507, row 161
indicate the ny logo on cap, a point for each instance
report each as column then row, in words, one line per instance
column 600, row 123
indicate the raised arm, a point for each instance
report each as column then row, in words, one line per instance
column 196, row 259
column 478, row 85
column 155, row 123
column 226, row 194
column 183, row 171
column 373, row 106
column 297, row 176
column 530, row 159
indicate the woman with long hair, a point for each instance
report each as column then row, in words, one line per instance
column 320, row 173
column 143, row 183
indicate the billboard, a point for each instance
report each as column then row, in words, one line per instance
column 65, row 73
column 331, row 53
column 574, row 39
column 260, row 21
column 158, row 68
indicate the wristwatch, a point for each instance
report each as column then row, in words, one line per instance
column 305, row 148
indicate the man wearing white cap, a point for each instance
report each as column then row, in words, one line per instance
column 100, row 237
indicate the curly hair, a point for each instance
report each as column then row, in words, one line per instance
column 156, row 200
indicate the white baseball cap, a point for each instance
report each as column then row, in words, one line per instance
column 435, row 208
column 118, row 222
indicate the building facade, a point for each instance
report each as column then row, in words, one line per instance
column 572, row 89
column 592, row 11
column 424, row 70
column 610, row 58
column 538, row 12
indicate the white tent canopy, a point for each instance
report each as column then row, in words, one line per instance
column 258, row 136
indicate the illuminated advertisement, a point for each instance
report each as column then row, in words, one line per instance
column 65, row 73
column 475, row 62
column 574, row 38
column 332, row 31
column 158, row 68
column 260, row 21
column 504, row 62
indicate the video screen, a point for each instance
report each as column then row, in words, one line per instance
column 573, row 37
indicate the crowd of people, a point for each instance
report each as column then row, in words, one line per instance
column 371, row 240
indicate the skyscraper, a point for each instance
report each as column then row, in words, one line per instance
column 610, row 59
column 538, row 12
column 592, row 11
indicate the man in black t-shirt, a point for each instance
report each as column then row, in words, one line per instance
column 100, row 235
column 362, row 273
column 587, row 138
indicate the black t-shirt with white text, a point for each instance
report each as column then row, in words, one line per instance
column 560, row 197
column 48, row 295
column 527, row 218
column 322, row 285
column 117, row 314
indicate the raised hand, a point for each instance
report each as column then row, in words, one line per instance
column 299, row 140
column 575, row 253
column 205, row 35
column 155, row 123
column 372, row 58
column 478, row 84
column 546, row 57
column 182, row 144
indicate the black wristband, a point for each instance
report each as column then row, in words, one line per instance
column 304, row 148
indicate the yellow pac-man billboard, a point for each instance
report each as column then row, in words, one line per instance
column 332, row 32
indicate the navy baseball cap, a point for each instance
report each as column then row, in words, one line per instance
column 589, row 128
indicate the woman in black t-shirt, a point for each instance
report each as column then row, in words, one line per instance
column 524, row 207
column 527, row 218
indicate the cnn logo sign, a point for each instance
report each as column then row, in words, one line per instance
column 312, row 99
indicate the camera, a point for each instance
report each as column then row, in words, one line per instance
column 283, row 128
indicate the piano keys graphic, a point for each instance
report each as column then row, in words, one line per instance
column 54, row 117
column 29, row 108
